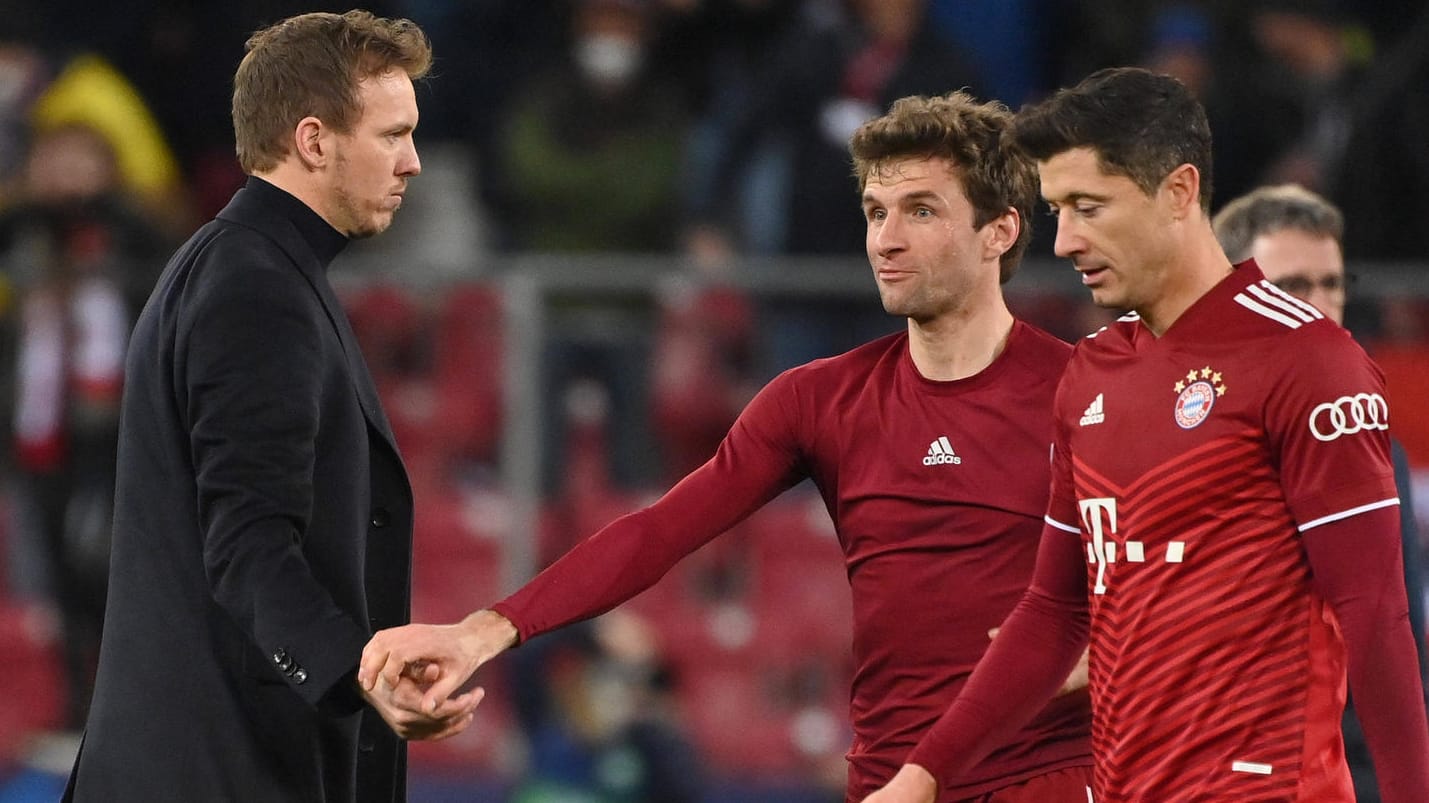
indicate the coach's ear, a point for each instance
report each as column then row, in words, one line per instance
column 310, row 142
column 1182, row 190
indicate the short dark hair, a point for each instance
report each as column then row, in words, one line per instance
column 310, row 65
column 968, row 133
column 1270, row 209
column 1141, row 124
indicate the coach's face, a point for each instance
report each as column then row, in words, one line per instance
column 374, row 161
column 927, row 257
column 1114, row 233
column 1305, row 265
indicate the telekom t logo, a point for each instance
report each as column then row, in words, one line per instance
column 1099, row 520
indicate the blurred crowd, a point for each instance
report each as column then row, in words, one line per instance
column 709, row 131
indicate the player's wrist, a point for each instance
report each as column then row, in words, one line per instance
column 493, row 631
column 915, row 780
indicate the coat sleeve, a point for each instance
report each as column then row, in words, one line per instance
column 250, row 359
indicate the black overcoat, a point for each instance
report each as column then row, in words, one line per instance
column 262, row 531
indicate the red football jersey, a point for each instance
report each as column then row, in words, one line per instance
column 1189, row 465
column 937, row 491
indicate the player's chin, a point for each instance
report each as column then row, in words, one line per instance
column 1107, row 298
column 894, row 303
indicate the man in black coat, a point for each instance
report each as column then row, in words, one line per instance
column 263, row 517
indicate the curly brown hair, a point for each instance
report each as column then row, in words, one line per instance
column 967, row 133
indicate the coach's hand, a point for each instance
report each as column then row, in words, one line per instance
column 912, row 784
column 400, row 708
column 406, row 655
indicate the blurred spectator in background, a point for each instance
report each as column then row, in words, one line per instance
column 1012, row 43
column 89, row 91
column 733, row 190
column 1380, row 182
column 1250, row 99
column 23, row 73
column 1348, row 115
column 80, row 257
column 1313, row 67
column 595, row 703
column 837, row 66
column 591, row 146
column 1294, row 236
column 590, row 154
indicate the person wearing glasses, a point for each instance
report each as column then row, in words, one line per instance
column 1295, row 237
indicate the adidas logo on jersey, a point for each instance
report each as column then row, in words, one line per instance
column 1094, row 413
column 940, row 452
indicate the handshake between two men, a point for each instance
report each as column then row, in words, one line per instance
column 414, row 675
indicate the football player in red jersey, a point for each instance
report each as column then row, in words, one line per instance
column 929, row 448
column 1223, row 511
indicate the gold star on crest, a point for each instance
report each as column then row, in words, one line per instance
column 1200, row 374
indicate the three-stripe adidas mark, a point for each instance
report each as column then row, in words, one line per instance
column 1277, row 305
column 940, row 452
column 1094, row 413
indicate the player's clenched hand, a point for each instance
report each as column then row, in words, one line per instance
column 912, row 784
column 456, row 651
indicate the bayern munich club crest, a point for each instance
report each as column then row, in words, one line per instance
column 1196, row 395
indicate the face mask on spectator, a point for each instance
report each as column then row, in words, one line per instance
column 608, row 59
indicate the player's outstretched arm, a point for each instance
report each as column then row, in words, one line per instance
column 456, row 651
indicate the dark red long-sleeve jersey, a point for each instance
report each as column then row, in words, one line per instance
column 937, row 492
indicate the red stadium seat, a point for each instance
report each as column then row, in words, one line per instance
column 33, row 688
column 466, row 354
column 457, row 557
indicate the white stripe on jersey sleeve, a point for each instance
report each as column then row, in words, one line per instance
column 1285, row 301
column 1059, row 525
column 1309, row 308
column 1344, row 514
column 1257, row 307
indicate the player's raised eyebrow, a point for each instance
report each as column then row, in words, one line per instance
column 920, row 195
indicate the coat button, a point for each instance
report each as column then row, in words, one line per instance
column 280, row 655
column 380, row 517
column 301, row 676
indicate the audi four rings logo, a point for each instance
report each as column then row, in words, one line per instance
column 1348, row 415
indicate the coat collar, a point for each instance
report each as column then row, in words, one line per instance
column 300, row 231
column 312, row 245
